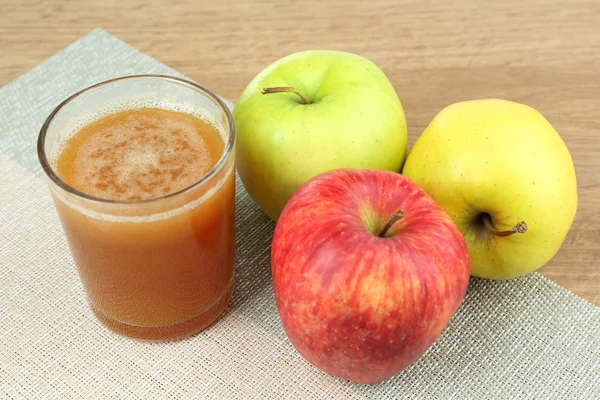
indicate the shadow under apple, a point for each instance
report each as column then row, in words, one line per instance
column 253, row 294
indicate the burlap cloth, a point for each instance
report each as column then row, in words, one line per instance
column 522, row 339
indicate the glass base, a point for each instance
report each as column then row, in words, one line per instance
column 178, row 331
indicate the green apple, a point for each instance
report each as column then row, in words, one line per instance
column 311, row 112
column 506, row 178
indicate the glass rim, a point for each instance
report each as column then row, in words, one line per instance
column 193, row 85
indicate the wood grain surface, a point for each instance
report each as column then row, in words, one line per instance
column 540, row 52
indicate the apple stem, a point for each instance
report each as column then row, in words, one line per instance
column 285, row 89
column 397, row 216
column 520, row 227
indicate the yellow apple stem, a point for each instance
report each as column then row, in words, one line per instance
column 398, row 215
column 521, row 227
column 285, row 89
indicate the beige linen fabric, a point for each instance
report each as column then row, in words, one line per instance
column 522, row 339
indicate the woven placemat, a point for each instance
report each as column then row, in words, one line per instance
column 522, row 339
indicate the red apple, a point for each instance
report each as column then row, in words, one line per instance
column 368, row 270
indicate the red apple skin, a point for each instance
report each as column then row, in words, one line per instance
column 355, row 305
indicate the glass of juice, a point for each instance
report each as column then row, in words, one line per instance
column 141, row 171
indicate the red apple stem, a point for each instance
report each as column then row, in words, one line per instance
column 520, row 227
column 285, row 89
column 397, row 216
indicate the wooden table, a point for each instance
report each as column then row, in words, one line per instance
column 435, row 53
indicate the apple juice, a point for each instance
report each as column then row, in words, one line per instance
column 160, row 271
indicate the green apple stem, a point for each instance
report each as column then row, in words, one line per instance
column 285, row 89
column 397, row 216
column 520, row 227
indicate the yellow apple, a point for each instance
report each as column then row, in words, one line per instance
column 506, row 178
